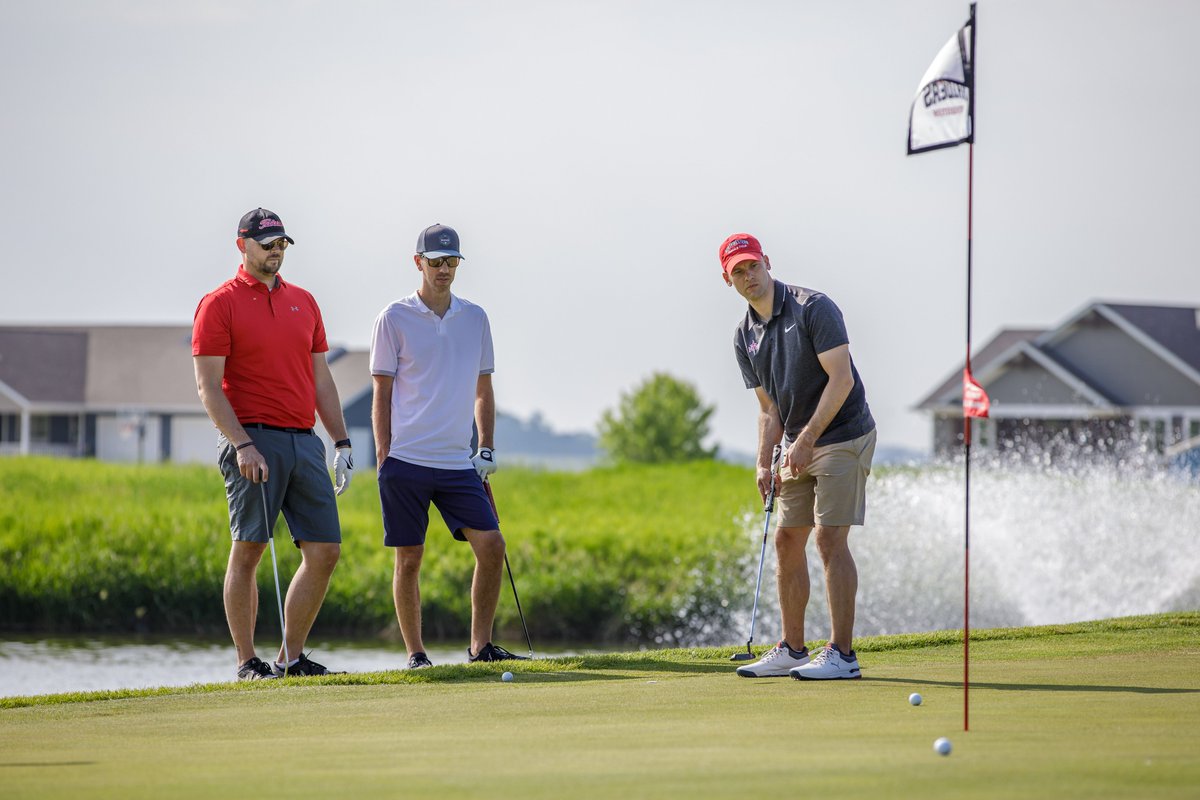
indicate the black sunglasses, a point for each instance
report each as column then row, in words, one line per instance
column 449, row 261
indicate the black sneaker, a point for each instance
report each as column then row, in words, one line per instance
column 304, row 667
column 255, row 669
column 419, row 660
column 491, row 652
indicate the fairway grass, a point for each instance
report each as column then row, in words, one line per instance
column 1105, row 709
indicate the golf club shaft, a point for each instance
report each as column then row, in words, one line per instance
column 768, row 507
column 287, row 657
column 487, row 487
column 758, row 584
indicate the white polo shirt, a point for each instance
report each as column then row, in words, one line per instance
column 436, row 362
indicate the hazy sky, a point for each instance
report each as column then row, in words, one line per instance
column 593, row 156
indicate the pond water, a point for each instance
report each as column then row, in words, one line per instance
column 32, row 665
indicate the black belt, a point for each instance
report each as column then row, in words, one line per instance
column 265, row 427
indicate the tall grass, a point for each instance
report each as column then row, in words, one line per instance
column 633, row 554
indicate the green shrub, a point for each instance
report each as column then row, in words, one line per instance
column 630, row 553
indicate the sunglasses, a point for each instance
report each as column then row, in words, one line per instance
column 278, row 244
column 448, row 261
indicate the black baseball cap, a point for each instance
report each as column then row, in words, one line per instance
column 262, row 226
column 437, row 241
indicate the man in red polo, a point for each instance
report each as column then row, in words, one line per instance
column 259, row 350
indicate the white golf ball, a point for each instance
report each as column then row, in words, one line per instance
column 942, row 746
column 915, row 699
column 506, row 677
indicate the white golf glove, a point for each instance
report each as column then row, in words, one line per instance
column 484, row 462
column 343, row 469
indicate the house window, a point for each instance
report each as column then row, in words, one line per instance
column 1193, row 427
column 984, row 432
column 54, row 429
column 1153, row 433
column 10, row 427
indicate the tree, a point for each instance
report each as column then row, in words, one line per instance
column 661, row 420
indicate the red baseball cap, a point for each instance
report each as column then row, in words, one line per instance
column 738, row 248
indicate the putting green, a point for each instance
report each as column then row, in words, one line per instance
column 1094, row 710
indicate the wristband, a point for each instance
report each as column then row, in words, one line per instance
column 244, row 445
column 341, row 443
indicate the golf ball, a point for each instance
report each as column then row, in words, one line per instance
column 942, row 746
column 915, row 699
column 506, row 677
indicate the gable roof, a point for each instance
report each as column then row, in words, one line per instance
column 1001, row 345
column 1172, row 333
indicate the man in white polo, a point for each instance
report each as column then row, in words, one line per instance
column 432, row 364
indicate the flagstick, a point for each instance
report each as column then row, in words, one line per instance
column 967, row 419
column 967, row 446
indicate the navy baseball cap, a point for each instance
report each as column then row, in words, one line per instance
column 437, row 241
column 262, row 226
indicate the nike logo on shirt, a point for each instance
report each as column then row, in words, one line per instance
column 789, row 330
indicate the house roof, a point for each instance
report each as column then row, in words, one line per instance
column 1175, row 328
column 44, row 364
column 123, row 367
column 1001, row 344
column 351, row 370
column 1172, row 333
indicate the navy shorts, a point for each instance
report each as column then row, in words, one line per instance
column 298, row 484
column 405, row 491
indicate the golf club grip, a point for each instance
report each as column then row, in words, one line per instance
column 769, row 505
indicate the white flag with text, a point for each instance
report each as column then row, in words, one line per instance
column 942, row 111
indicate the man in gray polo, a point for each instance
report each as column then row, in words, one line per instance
column 794, row 352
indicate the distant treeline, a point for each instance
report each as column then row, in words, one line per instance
column 632, row 554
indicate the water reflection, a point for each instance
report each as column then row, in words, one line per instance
column 32, row 665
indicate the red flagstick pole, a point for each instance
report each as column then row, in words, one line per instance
column 967, row 446
column 967, row 419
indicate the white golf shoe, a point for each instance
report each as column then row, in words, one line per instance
column 829, row 664
column 775, row 663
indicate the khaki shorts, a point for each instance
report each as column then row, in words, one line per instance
column 833, row 490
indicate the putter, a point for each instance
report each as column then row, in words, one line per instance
column 287, row 658
column 768, row 507
column 487, row 487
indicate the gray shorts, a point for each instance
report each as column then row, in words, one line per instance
column 833, row 490
column 298, row 485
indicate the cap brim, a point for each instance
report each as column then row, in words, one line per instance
column 734, row 260
column 442, row 254
column 269, row 239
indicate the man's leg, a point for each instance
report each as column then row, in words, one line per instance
column 841, row 582
column 241, row 596
column 488, row 547
column 792, row 579
column 406, row 591
column 306, row 593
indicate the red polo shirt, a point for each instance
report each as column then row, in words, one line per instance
column 267, row 338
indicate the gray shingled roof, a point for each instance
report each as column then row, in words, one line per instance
column 1176, row 328
column 1000, row 344
column 44, row 365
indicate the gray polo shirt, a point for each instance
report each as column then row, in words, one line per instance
column 780, row 355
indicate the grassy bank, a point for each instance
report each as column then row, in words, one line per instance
column 635, row 554
column 1056, row 711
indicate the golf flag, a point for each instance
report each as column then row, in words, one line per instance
column 975, row 399
column 942, row 112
